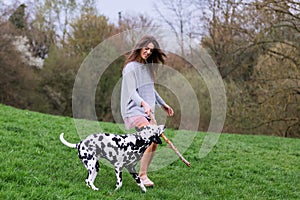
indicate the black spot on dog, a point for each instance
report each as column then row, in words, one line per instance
column 97, row 166
column 120, row 176
column 85, row 162
column 136, row 177
column 89, row 157
column 100, row 151
column 142, row 150
column 139, row 143
column 116, row 140
column 114, row 159
column 102, row 146
column 87, row 143
column 100, row 138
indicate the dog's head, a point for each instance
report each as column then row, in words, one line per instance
column 152, row 133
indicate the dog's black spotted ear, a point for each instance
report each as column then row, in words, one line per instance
column 156, row 139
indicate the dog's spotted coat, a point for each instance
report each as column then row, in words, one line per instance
column 120, row 150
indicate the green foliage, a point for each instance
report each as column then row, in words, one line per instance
column 275, row 85
column 87, row 32
column 18, row 17
column 19, row 81
column 106, row 86
column 185, row 80
column 61, row 67
column 35, row 165
column 256, row 47
column 58, row 76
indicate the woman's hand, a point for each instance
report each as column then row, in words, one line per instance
column 168, row 110
column 146, row 107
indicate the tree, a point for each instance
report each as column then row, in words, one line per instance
column 238, row 29
column 87, row 32
column 141, row 22
column 18, row 17
column 181, row 17
column 276, row 83
column 56, row 15
column 63, row 63
column 251, row 42
column 18, row 81
column 58, row 76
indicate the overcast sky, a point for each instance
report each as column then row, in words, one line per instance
column 110, row 8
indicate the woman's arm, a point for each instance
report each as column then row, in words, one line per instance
column 163, row 105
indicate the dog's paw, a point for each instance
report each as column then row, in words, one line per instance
column 91, row 185
column 143, row 187
column 95, row 188
column 117, row 188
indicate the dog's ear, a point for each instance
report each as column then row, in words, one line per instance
column 156, row 139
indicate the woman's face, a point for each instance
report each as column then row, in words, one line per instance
column 147, row 51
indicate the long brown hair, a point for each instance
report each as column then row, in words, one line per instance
column 157, row 56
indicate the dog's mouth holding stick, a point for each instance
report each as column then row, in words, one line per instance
column 171, row 144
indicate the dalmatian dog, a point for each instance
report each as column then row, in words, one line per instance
column 120, row 150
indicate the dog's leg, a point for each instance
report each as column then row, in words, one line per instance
column 93, row 167
column 119, row 177
column 95, row 172
column 136, row 177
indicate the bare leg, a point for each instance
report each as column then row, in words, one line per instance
column 145, row 162
column 146, row 159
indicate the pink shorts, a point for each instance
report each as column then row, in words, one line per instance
column 135, row 121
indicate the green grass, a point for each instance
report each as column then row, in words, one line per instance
column 35, row 165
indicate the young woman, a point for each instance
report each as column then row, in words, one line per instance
column 138, row 94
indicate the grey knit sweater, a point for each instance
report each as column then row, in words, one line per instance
column 138, row 86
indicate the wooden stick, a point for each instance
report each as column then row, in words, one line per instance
column 171, row 144
column 176, row 151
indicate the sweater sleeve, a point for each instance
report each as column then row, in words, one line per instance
column 129, row 88
column 159, row 100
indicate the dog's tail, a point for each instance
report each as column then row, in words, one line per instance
column 65, row 142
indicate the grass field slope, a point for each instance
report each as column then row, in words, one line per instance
column 34, row 164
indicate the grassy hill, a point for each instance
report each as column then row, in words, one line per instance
column 35, row 165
